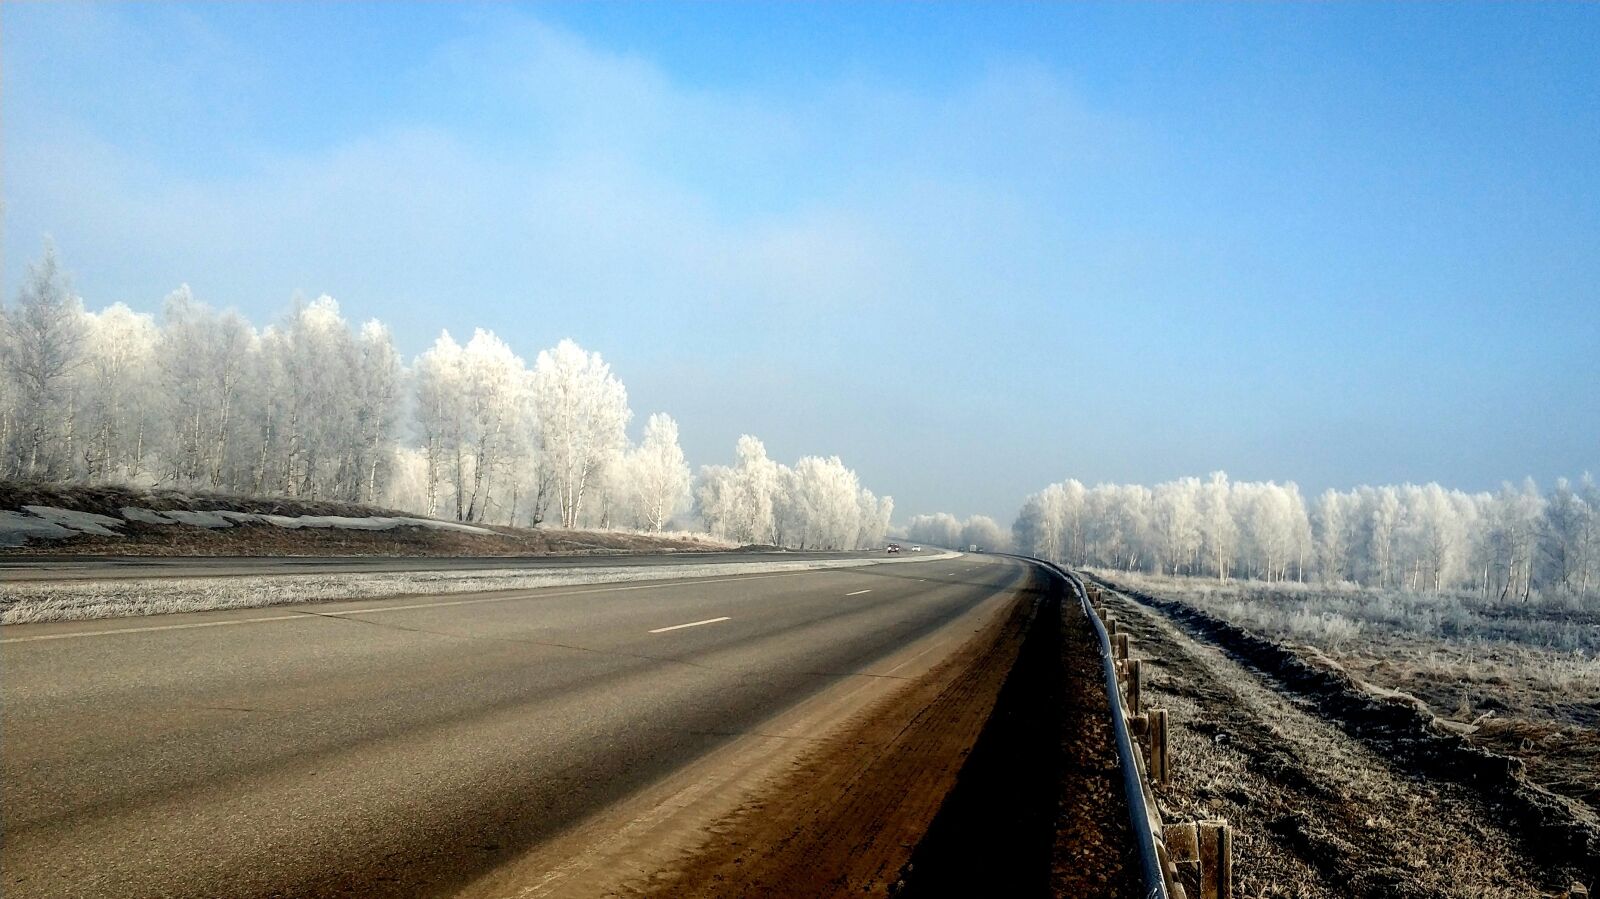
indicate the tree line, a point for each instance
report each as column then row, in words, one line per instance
column 944, row 529
column 1508, row 544
column 311, row 406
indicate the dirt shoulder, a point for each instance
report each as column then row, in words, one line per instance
column 1333, row 791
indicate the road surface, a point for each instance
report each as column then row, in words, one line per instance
column 408, row 747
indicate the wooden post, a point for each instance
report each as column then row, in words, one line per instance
column 1119, row 646
column 1183, row 848
column 1169, row 870
column 1135, row 685
column 1111, row 625
column 1138, row 725
column 1157, row 743
column 1216, row 860
column 1183, row 842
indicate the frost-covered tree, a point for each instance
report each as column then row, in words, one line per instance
column 1330, row 525
column 937, row 529
column 1175, row 522
column 582, row 411
column 441, row 413
column 829, row 500
column 1219, row 531
column 118, row 387
column 1508, row 545
column 1274, row 527
column 817, row 504
column 875, row 514
column 658, row 474
column 378, row 385
column 204, row 358
column 41, row 347
column 1514, row 522
column 317, row 355
column 496, row 390
column 1117, row 521
column 984, row 532
column 738, row 502
column 1567, row 536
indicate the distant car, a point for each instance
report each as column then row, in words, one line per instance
column 916, row 549
column 893, row 548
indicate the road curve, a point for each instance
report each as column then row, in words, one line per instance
column 405, row 747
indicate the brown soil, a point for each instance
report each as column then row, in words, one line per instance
column 1333, row 791
column 953, row 786
column 268, row 540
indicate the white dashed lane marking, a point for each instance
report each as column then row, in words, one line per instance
column 662, row 630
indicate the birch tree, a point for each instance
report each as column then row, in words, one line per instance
column 118, row 388
column 495, row 388
column 582, row 410
column 658, row 474
column 40, row 349
column 441, row 420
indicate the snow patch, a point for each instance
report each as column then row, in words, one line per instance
column 83, row 522
column 200, row 519
column 17, row 527
column 145, row 516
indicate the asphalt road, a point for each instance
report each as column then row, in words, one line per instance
column 405, row 747
column 67, row 567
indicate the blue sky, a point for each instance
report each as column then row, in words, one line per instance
column 971, row 249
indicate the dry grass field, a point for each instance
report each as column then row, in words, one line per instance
column 1378, row 744
column 1521, row 679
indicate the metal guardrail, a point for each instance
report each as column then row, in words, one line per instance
column 1144, row 817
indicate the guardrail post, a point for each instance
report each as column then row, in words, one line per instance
column 1135, row 685
column 1216, row 860
column 1156, row 742
column 1183, row 854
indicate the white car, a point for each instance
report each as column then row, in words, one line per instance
column 916, row 549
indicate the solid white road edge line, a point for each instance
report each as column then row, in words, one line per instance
column 858, row 593
column 662, row 630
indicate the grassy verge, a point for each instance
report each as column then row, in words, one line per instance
column 1516, row 679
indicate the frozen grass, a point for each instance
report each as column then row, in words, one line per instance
column 1343, row 612
column 52, row 601
column 1520, row 679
